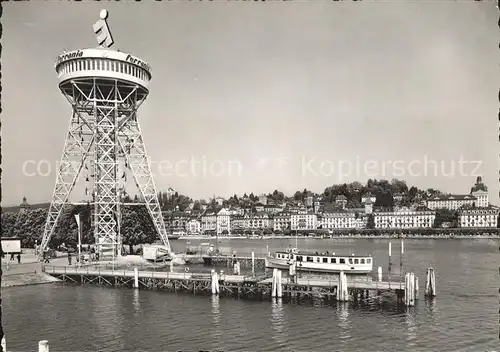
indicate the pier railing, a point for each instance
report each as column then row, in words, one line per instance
column 130, row 273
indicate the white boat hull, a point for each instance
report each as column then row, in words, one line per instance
column 284, row 264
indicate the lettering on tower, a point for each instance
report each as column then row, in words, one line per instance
column 102, row 32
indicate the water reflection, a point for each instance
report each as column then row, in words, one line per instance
column 136, row 302
column 430, row 305
column 344, row 324
column 216, row 316
column 411, row 328
column 278, row 321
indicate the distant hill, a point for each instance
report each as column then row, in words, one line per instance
column 15, row 209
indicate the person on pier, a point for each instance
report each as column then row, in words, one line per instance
column 69, row 257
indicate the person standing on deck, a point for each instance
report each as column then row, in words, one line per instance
column 18, row 258
column 69, row 258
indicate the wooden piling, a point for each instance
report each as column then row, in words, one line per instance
column 253, row 263
column 279, row 286
column 342, row 292
column 273, row 284
column 136, row 277
column 430, row 283
column 416, row 287
column 409, row 291
column 214, row 282
column 379, row 272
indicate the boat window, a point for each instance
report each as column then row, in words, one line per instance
column 368, row 260
column 362, row 260
column 356, row 261
column 342, row 261
column 350, row 260
column 299, row 258
column 309, row 259
column 334, row 260
column 325, row 260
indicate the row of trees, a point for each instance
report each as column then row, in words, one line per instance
column 136, row 226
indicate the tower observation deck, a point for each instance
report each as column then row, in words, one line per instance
column 105, row 88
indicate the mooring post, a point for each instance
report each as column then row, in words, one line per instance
column 279, row 286
column 416, row 287
column 379, row 272
column 253, row 263
column 215, row 282
column 430, row 283
column 390, row 262
column 292, row 272
column 43, row 346
column 342, row 291
column 273, row 284
column 409, row 292
column 4, row 344
column 171, row 266
column 136, row 277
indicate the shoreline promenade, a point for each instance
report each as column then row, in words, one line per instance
column 357, row 236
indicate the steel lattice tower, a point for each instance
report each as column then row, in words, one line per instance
column 105, row 88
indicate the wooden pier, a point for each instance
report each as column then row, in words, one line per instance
column 335, row 288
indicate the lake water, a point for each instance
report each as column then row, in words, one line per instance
column 463, row 316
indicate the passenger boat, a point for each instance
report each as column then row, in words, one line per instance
column 320, row 262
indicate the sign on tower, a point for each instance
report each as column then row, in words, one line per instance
column 102, row 32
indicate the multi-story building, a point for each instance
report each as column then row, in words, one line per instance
column 263, row 199
column 24, row 206
column 341, row 201
column 209, row 221
column 223, row 222
column 259, row 207
column 175, row 219
column 259, row 220
column 303, row 220
column 193, row 227
column 272, row 209
column 398, row 197
column 452, row 202
column 478, row 217
column 282, row 221
column 369, row 196
column 238, row 223
column 309, row 201
column 404, row 218
column 477, row 198
column 340, row 220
